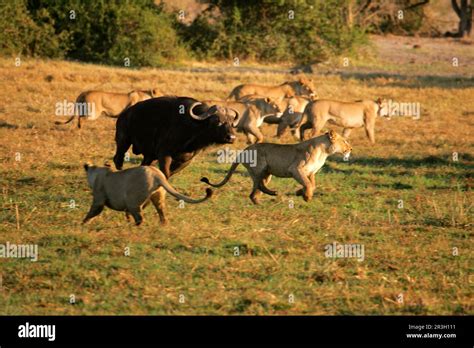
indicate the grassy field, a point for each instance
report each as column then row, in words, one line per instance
column 418, row 258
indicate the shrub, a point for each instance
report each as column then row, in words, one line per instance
column 104, row 32
column 288, row 30
column 20, row 34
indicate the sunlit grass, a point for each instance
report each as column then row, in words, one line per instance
column 190, row 266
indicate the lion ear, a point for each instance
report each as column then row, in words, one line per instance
column 267, row 100
column 332, row 135
column 379, row 101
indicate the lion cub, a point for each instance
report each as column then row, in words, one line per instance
column 130, row 190
column 300, row 161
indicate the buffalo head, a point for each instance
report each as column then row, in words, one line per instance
column 221, row 121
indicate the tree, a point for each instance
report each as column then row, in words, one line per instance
column 269, row 30
column 464, row 12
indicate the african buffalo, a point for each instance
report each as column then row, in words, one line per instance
column 172, row 130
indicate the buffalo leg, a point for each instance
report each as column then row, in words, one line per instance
column 296, row 133
column 303, row 128
column 147, row 159
column 281, row 130
column 137, row 215
column 93, row 212
column 122, row 148
column 176, row 166
column 165, row 164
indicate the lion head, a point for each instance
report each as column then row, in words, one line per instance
column 272, row 103
column 307, row 87
column 383, row 109
column 338, row 144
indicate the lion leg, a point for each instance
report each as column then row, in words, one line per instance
column 256, row 192
column 267, row 179
column 311, row 179
column 263, row 185
column 313, row 183
column 253, row 130
column 303, row 180
column 370, row 130
column 92, row 116
column 318, row 126
column 158, row 200
column 250, row 138
column 346, row 132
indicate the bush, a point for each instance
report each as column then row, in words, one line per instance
column 104, row 32
column 109, row 32
column 291, row 30
column 20, row 34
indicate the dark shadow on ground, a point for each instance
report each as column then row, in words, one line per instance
column 465, row 160
column 410, row 81
column 401, row 80
column 4, row 124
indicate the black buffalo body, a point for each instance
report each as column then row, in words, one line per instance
column 172, row 130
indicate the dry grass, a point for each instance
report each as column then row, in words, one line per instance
column 407, row 251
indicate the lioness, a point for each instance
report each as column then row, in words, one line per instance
column 361, row 113
column 303, row 86
column 111, row 104
column 253, row 109
column 130, row 190
column 300, row 161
